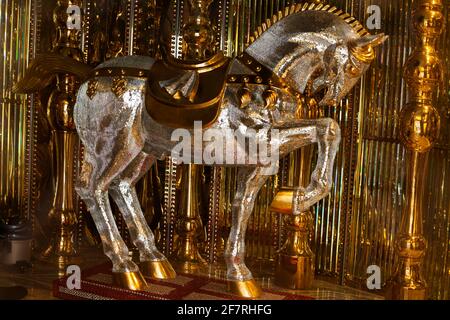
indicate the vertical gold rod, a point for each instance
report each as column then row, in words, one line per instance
column 296, row 260
column 198, row 45
column 420, row 124
column 14, row 15
column 187, row 257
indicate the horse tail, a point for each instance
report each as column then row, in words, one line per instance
column 45, row 67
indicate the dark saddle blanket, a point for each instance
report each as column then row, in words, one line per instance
column 180, row 92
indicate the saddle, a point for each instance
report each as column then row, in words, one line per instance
column 181, row 92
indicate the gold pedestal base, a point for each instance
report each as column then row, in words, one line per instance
column 295, row 272
column 158, row 269
column 407, row 283
column 187, row 259
column 399, row 292
column 246, row 289
column 59, row 263
column 130, row 280
column 295, row 267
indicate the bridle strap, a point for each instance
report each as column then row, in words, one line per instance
column 262, row 74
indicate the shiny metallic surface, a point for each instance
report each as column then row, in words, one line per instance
column 312, row 50
column 121, row 140
column 130, row 280
column 420, row 126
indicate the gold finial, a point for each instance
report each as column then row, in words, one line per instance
column 65, row 37
column 198, row 34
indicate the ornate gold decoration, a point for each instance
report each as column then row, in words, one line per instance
column 119, row 86
column 44, row 69
column 295, row 8
column 62, row 215
column 182, row 112
column 377, row 153
column 115, row 46
column 198, row 47
column 295, row 266
column 270, row 97
column 197, row 32
column 245, row 96
column 120, row 72
column 92, row 88
column 130, row 280
column 420, row 124
column 186, row 256
column 146, row 30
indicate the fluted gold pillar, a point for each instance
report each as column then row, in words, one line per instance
column 420, row 124
column 15, row 24
column 62, row 215
column 187, row 257
column 198, row 45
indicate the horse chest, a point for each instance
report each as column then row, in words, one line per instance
column 256, row 113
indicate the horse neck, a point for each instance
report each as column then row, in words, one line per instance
column 281, row 57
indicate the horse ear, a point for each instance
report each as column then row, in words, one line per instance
column 371, row 40
column 362, row 48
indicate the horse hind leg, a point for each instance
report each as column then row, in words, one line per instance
column 93, row 189
column 153, row 263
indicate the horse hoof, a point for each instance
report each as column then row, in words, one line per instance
column 245, row 289
column 130, row 280
column 158, row 269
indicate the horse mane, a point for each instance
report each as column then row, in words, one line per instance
column 302, row 7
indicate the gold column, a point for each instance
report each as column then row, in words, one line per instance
column 420, row 123
column 62, row 216
column 16, row 24
column 186, row 255
column 198, row 45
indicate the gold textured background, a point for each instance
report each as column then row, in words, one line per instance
column 14, row 46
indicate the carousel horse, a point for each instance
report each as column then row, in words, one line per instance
column 128, row 109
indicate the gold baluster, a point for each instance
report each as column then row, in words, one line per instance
column 186, row 256
column 295, row 266
column 420, row 124
column 62, row 215
column 198, row 46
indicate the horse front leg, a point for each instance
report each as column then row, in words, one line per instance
column 240, row 279
column 327, row 135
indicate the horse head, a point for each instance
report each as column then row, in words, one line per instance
column 343, row 65
column 316, row 49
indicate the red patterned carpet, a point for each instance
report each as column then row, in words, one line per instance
column 96, row 284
